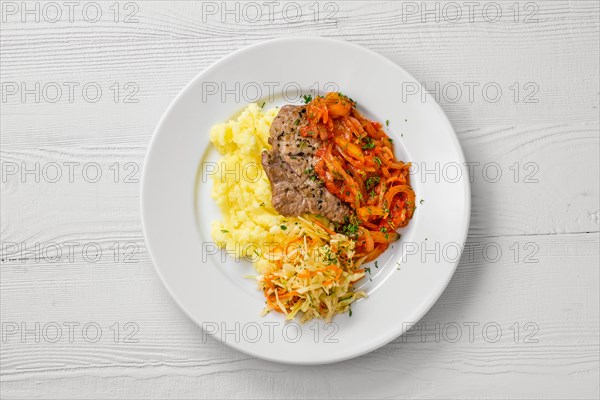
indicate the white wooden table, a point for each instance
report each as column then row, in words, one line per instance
column 83, row 312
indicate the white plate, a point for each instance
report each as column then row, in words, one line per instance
column 177, row 209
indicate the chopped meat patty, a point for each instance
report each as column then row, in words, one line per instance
column 295, row 187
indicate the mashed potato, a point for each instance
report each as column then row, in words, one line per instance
column 241, row 187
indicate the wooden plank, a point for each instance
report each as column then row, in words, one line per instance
column 552, row 352
column 556, row 80
column 545, row 126
column 513, row 179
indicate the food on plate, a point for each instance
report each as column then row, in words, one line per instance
column 330, row 198
column 314, row 274
column 241, row 188
column 290, row 167
column 358, row 165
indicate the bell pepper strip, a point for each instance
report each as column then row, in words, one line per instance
column 376, row 252
column 356, row 163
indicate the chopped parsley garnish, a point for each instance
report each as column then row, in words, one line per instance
column 387, row 122
column 349, row 311
column 283, row 227
column 263, row 104
column 371, row 182
column 311, row 174
column 330, row 258
column 368, row 143
column 303, row 143
column 377, row 160
column 224, row 231
column 383, row 229
column 421, row 201
column 307, row 98
column 390, row 140
column 343, row 96
column 376, row 266
column 368, row 269
column 262, row 204
column 350, row 227
column 297, row 122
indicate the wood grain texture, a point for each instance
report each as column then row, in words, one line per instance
column 550, row 210
column 171, row 44
column 521, row 200
column 171, row 358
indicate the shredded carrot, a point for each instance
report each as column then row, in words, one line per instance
column 314, row 275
